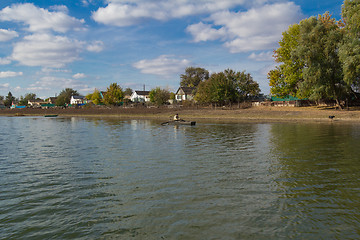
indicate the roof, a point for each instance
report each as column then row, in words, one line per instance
column 287, row 98
column 78, row 97
column 144, row 93
column 186, row 90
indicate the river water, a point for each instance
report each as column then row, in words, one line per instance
column 76, row 178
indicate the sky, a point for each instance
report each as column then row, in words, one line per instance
column 49, row 45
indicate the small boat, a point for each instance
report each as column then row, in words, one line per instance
column 51, row 115
column 179, row 122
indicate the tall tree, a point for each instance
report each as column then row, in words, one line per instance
column 159, row 96
column 284, row 80
column 114, row 95
column 193, row 76
column 29, row 96
column 128, row 91
column 65, row 96
column 9, row 99
column 318, row 48
column 349, row 52
column 95, row 97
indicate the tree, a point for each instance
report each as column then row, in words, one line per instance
column 65, row 96
column 114, row 95
column 349, row 51
column 128, row 91
column 29, row 96
column 9, row 99
column 318, row 49
column 159, row 96
column 1, row 98
column 227, row 87
column 284, row 80
column 95, row 97
column 193, row 77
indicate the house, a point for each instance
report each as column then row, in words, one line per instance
column 75, row 100
column 36, row 103
column 140, row 96
column 184, row 93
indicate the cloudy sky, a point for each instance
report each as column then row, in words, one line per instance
column 49, row 45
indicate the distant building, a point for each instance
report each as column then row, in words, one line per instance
column 36, row 103
column 52, row 100
column 75, row 100
column 140, row 96
column 185, row 93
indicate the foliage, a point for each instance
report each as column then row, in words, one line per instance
column 349, row 52
column 128, row 91
column 1, row 98
column 285, row 78
column 65, row 96
column 9, row 99
column 159, row 96
column 193, row 77
column 95, row 97
column 114, row 95
column 227, row 87
column 172, row 96
column 24, row 100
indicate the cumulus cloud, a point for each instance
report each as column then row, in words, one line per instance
column 46, row 50
column 4, row 85
column 39, row 19
column 96, row 46
column 5, row 61
column 256, row 29
column 164, row 65
column 79, row 75
column 262, row 57
column 8, row 74
column 126, row 13
column 6, row 35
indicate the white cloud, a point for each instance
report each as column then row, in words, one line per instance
column 79, row 75
column 39, row 19
column 126, row 13
column 4, row 85
column 52, row 83
column 96, row 46
column 6, row 35
column 8, row 74
column 46, row 50
column 5, row 61
column 256, row 29
column 164, row 65
column 262, row 57
column 205, row 32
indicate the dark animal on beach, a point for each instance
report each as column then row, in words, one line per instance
column 331, row 117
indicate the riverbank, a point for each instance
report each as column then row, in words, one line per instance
column 200, row 114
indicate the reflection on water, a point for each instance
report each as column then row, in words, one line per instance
column 80, row 178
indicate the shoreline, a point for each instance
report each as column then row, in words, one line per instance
column 258, row 114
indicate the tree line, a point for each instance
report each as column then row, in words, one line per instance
column 221, row 88
column 319, row 58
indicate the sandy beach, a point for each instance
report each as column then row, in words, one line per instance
column 265, row 114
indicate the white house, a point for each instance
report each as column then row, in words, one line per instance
column 77, row 100
column 140, row 96
column 184, row 93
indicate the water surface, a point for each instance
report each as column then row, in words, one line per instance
column 75, row 178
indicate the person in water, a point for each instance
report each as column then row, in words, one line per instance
column 176, row 117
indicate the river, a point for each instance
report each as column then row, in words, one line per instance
column 83, row 178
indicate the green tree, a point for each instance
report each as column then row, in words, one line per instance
column 95, row 97
column 9, row 99
column 349, row 51
column 227, row 87
column 28, row 96
column 193, row 77
column 128, row 91
column 284, row 80
column 318, row 49
column 159, row 96
column 1, row 98
column 65, row 96
column 114, row 95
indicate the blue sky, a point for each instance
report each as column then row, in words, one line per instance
column 49, row 45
